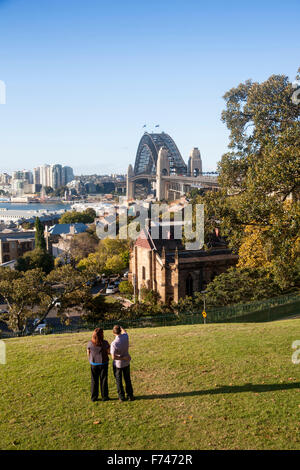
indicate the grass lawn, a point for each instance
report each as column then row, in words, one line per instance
column 214, row 386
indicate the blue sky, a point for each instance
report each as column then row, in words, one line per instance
column 84, row 77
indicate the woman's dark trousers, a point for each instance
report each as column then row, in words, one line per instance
column 125, row 372
column 99, row 373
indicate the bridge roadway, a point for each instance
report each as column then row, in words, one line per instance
column 213, row 180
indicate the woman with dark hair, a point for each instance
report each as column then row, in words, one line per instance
column 97, row 351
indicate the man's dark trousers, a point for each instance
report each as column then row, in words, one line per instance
column 125, row 371
column 99, row 372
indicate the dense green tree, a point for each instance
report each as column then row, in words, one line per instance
column 261, row 173
column 149, row 296
column 82, row 245
column 188, row 305
column 32, row 294
column 21, row 293
column 40, row 242
column 94, row 262
column 90, row 211
column 260, row 177
column 36, row 258
column 111, row 257
column 97, row 309
column 72, row 217
column 239, row 285
column 115, row 265
column 126, row 288
column 263, row 166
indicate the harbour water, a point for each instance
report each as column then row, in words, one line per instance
column 34, row 207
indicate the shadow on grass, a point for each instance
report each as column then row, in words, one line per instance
column 255, row 388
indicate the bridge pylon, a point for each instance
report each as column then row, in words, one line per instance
column 130, row 185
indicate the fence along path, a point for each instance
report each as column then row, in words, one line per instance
column 257, row 311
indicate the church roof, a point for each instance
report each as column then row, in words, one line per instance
column 143, row 241
column 146, row 241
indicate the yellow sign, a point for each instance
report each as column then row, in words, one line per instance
column 204, row 314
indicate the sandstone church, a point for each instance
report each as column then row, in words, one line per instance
column 165, row 266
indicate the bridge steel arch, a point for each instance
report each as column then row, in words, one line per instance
column 147, row 154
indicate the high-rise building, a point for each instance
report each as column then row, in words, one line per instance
column 5, row 178
column 56, row 176
column 68, row 175
column 17, row 175
column 45, row 175
column 37, row 175
column 27, row 176
column 21, row 180
column 17, row 186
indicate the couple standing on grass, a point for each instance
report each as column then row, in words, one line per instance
column 98, row 350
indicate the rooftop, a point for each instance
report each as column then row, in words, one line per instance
column 60, row 229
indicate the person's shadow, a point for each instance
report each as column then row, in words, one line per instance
column 220, row 389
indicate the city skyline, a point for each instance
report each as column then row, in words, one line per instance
column 82, row 94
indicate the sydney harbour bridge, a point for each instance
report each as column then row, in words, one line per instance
column 160, row 169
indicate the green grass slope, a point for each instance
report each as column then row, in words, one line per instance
column 215, row 386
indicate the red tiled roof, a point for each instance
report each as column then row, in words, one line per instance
column 142, row 241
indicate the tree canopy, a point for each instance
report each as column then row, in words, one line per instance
column 36, row 258
column 71, row 217
column 257, row 207
column 33, row 294
column 111, row 257
column 40, row 241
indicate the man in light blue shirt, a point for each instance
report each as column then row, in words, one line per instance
column 121, row 367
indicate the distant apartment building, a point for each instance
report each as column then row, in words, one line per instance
column 15, row 244
column 53, row 176
column 68, row 174
column 5, row 178
column 23, row 175
column 36, row 176
column 56, row 176
column 30, row 182
column 44, row 175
